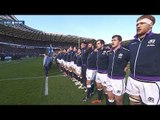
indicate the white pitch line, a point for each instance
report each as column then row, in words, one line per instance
column 28, row 78
column 6, row 63
column 46, row 87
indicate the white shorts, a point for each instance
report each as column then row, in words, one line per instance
column 78, row 70
column 71, row 64
column 90, row 74
column 149, row 92
column 101, row 78
column 64, row 63
column 58, row 60
column 67, row 64
column 116, row 85
column 61, row 61
column 74, row 66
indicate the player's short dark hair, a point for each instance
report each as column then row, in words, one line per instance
column 101, row 41
column 118, row 36
column 84, row 42
column 91, row 43
column 152, row 18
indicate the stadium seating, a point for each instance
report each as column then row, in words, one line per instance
column 18, row 39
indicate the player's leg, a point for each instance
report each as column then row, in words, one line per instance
column 119, row 90
column 99, row 89
column 84, row 76
column 150, row 93
column 132, row 89
column 90, row 77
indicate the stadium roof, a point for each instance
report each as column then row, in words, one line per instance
column 11, row 26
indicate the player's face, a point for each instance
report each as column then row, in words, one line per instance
column 115, row 42
column 90, row 45
column 83, row 45
column 79, row 51
column 70, row 48
column 64, row 51
column 99, row 45
column 142, row 28
column 74, row 49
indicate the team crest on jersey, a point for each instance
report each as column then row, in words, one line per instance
column 151, row 99
column 104, row 52
column 120, row 55
column 151, row 43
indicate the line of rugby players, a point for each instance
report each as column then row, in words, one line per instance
column 90, row 63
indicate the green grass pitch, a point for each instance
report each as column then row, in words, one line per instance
column 22, row 83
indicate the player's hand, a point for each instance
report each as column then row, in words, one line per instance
column 125, row 69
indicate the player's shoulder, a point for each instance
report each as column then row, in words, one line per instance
column 125, row 49
column 156, row 34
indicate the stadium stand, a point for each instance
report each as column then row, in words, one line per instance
column 18, row 39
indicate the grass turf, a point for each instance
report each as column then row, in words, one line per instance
column 22, row 83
